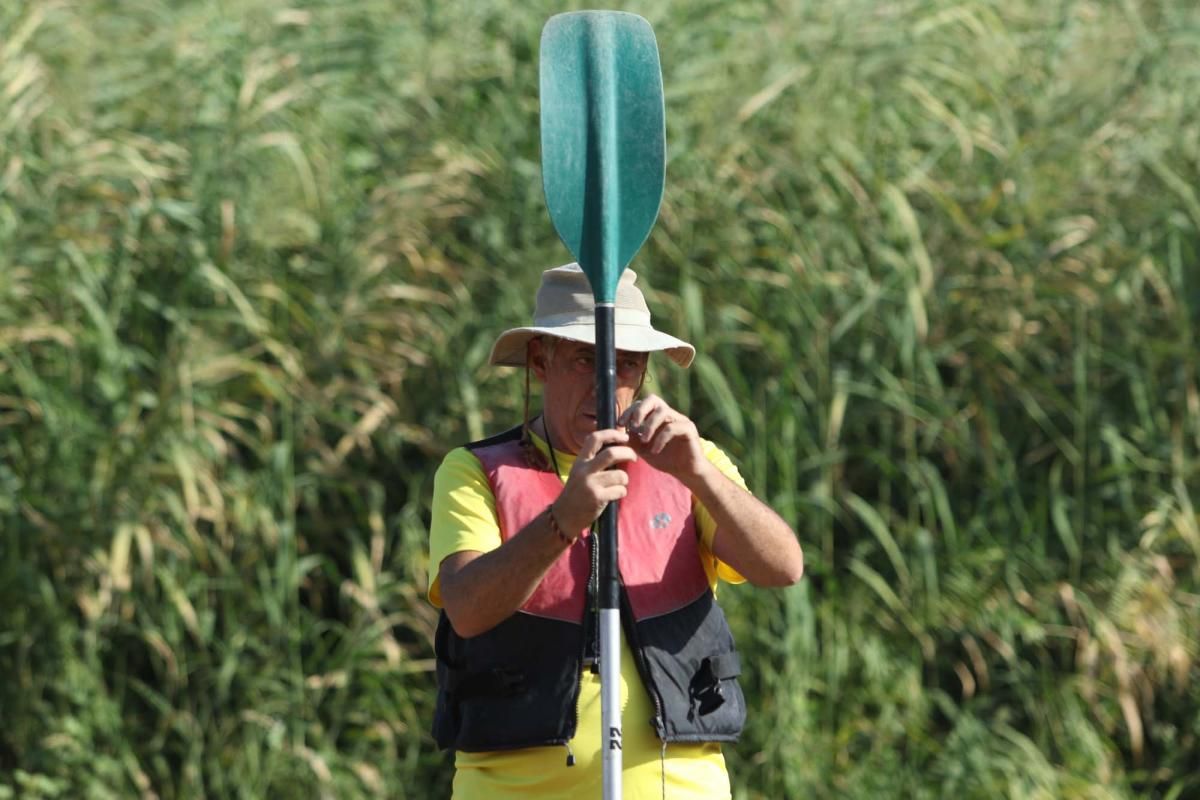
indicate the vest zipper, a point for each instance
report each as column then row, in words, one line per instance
column 584, row 638
column 593, row 602
column 590, row 632
column 659, row 721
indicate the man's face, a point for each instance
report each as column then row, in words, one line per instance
column 568, row 375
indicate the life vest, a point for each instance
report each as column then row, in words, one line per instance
column 517, row 684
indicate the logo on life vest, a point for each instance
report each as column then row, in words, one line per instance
column 660, row 520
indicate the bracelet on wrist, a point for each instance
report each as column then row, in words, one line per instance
column 554, row 526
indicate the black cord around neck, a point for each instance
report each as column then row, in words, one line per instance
column 550, row 447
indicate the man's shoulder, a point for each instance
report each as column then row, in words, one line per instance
column 712, row 451
column 721, row 460
column 466, row 463
column 466, row 454
column 458, row 466
column 504, row 437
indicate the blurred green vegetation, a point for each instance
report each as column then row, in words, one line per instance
column 938, row 257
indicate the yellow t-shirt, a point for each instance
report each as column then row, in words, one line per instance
column 464, row 518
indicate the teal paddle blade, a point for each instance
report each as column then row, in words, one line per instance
column 603, row 138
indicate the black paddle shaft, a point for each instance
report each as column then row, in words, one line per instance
column 606, row 417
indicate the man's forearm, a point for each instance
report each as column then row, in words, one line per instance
column 750, row 537
column 481, row 590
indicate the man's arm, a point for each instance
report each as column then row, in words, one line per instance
column 481, row 590
column 750, row 537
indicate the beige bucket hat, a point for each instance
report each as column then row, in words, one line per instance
column 565, row 308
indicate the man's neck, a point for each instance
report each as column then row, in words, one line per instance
column 542, row 431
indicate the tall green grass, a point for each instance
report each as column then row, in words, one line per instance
column 939, row 260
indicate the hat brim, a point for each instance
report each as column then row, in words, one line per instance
column 511, row 346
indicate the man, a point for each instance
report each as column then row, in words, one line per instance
column 514, row 570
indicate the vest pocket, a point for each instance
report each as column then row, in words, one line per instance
column 709, row 689
column 694, row 667
column 716, row 709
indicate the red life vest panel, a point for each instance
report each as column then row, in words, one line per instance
column 659, row 555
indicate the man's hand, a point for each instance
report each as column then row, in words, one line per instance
column 750, row 537
column 664, row 437
column 592, row 483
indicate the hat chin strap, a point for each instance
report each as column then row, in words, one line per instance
column 533, row 456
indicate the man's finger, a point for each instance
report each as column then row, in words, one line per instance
column 655, row 420
column 624, row 419
column 609, row 494
column 636, row 413
column 616, row 492
column 611, row 477
column 611, row 456
column 666, row 434
column 598, row 440
column 664, row 437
